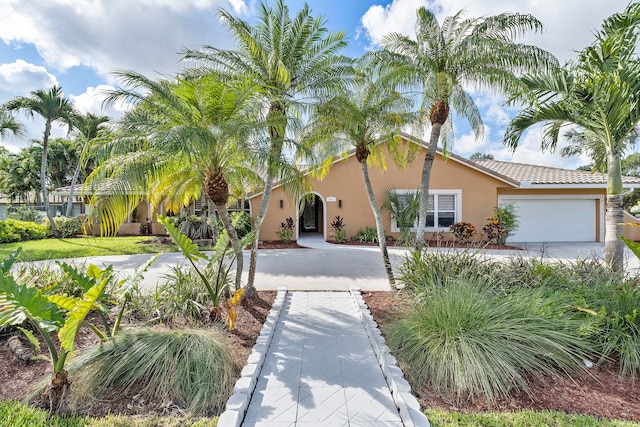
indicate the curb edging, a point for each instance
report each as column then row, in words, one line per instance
column 408, row 406
column 243, row 389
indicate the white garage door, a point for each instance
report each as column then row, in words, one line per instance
column 554, row 220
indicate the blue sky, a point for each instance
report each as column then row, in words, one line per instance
column 78, row 44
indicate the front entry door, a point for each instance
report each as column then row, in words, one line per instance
column 310, row 216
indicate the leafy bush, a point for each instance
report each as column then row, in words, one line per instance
column 181, row 296
column 501, row 224
column 613, row 310
column 12, row 230
column 463, row 231
column 464, row 340
column 69, row 227
column 22, row 213
column 242, row 223
column 192, row 368
column 285, row 232
column 337, row 225
column 367, row 235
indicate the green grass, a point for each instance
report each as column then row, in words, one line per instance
column 37, row 250
column 14, row 414
column 527, row 418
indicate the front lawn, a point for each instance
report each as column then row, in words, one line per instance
column 36, row 250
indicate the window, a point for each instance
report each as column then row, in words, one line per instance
column 441, row 211
column 444, row 209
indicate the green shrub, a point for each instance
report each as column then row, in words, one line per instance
column 501, row 224
column 25, row 214
column 367, row 235
column 464, row 340
column 68, row 227
column 191, row 368
column 12, row 230
column 180, row 297
column 613, row 309
column 192, row 226
column 423, row 269
column 242, row 223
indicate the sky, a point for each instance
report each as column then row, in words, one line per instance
column 78, row 44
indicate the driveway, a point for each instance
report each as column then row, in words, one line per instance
column 323, row 266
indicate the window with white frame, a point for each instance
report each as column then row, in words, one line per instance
column 444, row 209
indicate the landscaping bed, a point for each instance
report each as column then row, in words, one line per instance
column 603, row 393
column 17, row 376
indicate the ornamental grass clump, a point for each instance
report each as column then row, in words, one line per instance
column 465, row 341
column 192, row 369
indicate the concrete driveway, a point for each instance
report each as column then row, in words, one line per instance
column 323, row 266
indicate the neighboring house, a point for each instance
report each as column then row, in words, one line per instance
column 553, row 205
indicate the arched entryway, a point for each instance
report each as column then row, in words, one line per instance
column 311, row 218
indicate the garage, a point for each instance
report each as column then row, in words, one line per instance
column 554, row 219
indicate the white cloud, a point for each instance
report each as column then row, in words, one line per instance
column 399, row 16
column 145, row 36
column 92, row 101
column 569, row 25
column 20, row 78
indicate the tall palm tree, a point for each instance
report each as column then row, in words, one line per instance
column 193, row 131
column 600, row 93
column 89, row 126
column 443, row 59
column 52, row 106
column 295, row 62
column 366, row 118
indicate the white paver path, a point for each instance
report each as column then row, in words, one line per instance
column 320, row 369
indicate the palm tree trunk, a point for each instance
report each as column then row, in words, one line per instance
column 424, row 182
column 74, row 181
column 250, row 289
column 43, row 181
column 277, row 118
column 382, row 239
column 235, row 244
column 613, row 246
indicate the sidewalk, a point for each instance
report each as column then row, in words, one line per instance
column 321, row 369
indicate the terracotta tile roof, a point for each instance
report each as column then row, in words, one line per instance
column 547, row 175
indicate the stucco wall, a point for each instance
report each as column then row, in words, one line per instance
column 344, row 182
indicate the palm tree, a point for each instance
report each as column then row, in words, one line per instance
column 52, row 106
column 89, row 126
column 294, row 62
column 366, row 118
column 462, row 51
column 193, row 131
column 8, row 124
column 600, row 93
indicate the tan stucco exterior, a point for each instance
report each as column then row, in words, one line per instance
column 344, row 186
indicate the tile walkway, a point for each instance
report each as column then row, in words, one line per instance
column 320, row 369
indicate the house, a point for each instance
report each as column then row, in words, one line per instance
column 553, row 205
